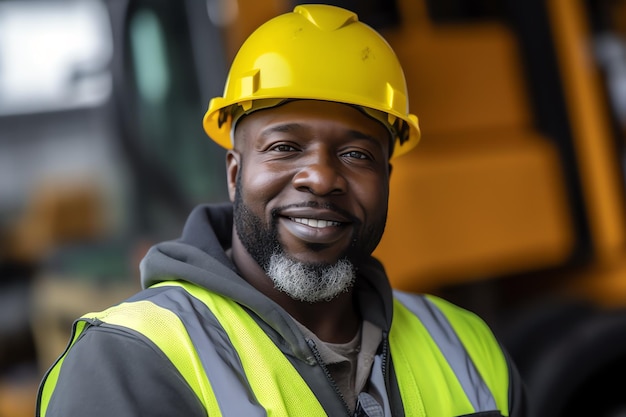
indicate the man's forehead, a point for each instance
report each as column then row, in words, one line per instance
column 299, row 113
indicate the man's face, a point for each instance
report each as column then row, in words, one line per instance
column 310, row 181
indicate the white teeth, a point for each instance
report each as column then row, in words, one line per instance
column 315, row 222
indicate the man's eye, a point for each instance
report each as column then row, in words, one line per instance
column 356, row 154
column 284, row 148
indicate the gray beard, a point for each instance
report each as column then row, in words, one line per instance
column 310, row 283
column 301, row 281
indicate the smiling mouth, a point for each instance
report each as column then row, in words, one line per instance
column 315, row 223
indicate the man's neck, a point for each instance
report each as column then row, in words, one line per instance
column 335, row 321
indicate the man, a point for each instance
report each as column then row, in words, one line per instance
column 273, row 304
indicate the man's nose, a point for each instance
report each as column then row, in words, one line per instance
column 320, row 174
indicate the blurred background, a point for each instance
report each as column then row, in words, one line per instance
column 512, row 206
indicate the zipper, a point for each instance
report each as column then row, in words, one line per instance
column 385, row 357
column 333, row 384
column 384, row 364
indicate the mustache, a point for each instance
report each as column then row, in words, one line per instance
column 318, row 205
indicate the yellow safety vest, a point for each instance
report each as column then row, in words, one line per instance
column 427, row 377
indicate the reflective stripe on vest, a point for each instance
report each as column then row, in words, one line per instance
column 460, row 343
column 235, row 369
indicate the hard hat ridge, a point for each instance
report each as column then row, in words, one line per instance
column 326, row 18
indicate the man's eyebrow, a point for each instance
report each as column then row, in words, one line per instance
column 282, row 128
column 357, row 134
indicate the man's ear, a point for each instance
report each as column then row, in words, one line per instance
column 233, row 164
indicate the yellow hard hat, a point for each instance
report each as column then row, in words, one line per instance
column 317, row 52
